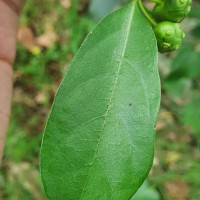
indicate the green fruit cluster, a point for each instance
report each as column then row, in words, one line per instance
column 171, row 10
column 169, row 36
column 168, row 14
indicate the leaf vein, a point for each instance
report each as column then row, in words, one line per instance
column 112, row 92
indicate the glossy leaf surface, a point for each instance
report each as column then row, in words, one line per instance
column 99, row 139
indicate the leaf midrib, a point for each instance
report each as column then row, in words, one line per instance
column 112, row 92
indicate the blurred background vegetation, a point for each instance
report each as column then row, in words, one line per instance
column 50, row 33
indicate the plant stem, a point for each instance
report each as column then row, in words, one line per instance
column 146, row 14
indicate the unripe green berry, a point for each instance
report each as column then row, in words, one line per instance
column 172, row 10
column 169, row 36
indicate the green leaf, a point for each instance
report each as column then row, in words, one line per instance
column 191, row 113
column 182, row 67
column 99, row 139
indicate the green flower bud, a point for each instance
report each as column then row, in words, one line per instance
column 169, row 36
column 172, row 10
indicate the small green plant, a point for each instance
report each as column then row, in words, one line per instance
column 99, row 139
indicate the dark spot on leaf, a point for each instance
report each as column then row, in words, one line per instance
column 130, row 104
